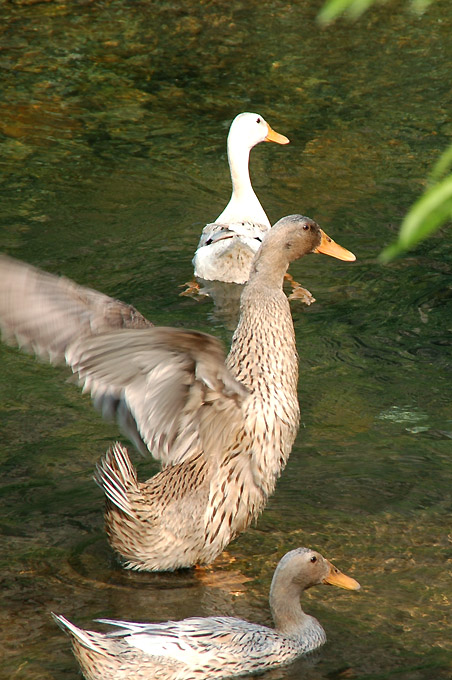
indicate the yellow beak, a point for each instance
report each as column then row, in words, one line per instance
column 329, row 247
column 337, row 578
column 273, row 136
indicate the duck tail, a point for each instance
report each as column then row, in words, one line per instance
column 116, row 476
column 82, row 636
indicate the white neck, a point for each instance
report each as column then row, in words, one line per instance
column 243, row 206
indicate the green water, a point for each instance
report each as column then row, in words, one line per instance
column 113, row 120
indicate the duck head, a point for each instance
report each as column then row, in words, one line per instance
column 306, row 568
column 298, row 235
column 248, row 129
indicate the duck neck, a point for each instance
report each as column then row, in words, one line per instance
column 285, row 607
column 268, row 269
column 265, row 329
column 266, row 334
column 289, row 618
column 243, row 205
column 239, row 157
column 264, row 358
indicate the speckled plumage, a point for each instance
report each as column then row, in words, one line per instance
column 213, row 647
column 240, row 446
column 222, row 429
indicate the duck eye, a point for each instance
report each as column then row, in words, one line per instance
column 258, row 120
column 306, row 227
column 313, row 558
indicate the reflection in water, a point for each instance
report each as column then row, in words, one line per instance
column 91, row 565
column 113, row 120
column 226, row 300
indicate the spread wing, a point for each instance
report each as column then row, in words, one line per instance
column 173, row 383
column 44, row 313
column 169, row 389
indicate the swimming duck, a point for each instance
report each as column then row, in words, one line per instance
column 213, row 647
column 222, row 428
column 227, row 246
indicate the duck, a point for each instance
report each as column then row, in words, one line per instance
column 221, row 427
column 227, row 246
column 215, row 646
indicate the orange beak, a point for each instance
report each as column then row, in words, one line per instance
column 273, row 136
column 337, row 578
column 329, row 247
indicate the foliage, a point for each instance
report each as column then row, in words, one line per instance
column 354, row 8
column 429, row 212
column 434, row 207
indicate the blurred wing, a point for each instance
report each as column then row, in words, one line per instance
column 171, row 383
column 44, row 313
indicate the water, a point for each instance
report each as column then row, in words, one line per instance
column 113, row 121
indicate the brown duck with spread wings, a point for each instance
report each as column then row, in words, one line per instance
column 223, row 428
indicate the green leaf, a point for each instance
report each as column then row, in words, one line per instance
column 354, row 8
column 420, row 5
column 427, row 214
column 333, row 8
column 443, row 165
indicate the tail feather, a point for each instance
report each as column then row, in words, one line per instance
column 116, row 475
column 82, row 636
column 126, row 627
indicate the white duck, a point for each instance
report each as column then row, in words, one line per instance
column 227, row 246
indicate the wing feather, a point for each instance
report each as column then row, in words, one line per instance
column 167, row 378
column 162, row 384
column 44, row 313
column 198, row 640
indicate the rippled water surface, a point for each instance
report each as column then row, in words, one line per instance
column 113, row 120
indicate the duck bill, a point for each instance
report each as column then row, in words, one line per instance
column 329, row 247
column 337, row 578
column 273, row 136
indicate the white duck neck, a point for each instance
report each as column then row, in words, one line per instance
column 243, row 205
column 239, row 158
